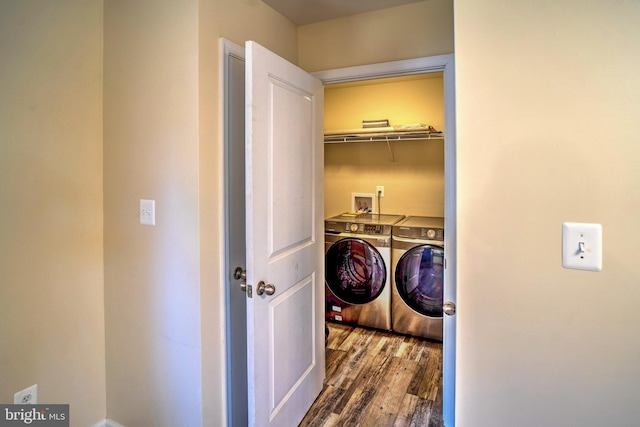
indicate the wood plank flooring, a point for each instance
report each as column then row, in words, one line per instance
column 378, row 379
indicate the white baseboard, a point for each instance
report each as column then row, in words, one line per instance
column 107, row 423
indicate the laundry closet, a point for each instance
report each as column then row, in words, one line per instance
column 384, row 184
column 411, row 170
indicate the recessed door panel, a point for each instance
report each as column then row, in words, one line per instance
column 290, row 188
column 289, row 368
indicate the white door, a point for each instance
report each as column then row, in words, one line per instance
column 284, row 217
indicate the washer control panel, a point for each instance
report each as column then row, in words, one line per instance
column 354, row 227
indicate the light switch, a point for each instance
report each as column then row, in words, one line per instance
column 582, row 246
column 147, row 212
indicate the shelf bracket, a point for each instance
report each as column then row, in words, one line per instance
column 390, row 150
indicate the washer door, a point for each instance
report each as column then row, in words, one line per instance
column 355, row 271
column 419, row 279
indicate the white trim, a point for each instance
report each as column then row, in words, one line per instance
column 446, row 65
column 107, row 423
column 228, row 50
column 231, row 49
column 440, row 63
column 405, row 67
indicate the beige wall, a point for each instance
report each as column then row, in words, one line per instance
column 538, row 345
column 51, row 256
column 411, row 31
column 556, row 86
column 152, row 286
column 405, row 32
column 413, row 182
column 165, row 342
column 401, row 100
column 412, row 172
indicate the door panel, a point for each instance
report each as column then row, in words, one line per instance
column 297, row 302
column 291, row 189
column 284, row 172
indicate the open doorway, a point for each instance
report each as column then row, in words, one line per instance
column 235, row 316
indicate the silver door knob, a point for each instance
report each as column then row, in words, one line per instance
column 449, row 308
column 265, row 288
column 240, row 274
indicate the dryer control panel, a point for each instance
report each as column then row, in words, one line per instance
column 420, row 227
column 419, row 233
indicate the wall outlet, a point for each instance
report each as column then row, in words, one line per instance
column 28, row 396
column 380, row 190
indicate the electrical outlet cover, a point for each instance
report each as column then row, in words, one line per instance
column 28, row 396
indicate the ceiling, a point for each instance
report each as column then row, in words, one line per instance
column 302, row 12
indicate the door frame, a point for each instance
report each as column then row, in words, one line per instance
column 440, row 63
column 431, row 64
column 235, row 384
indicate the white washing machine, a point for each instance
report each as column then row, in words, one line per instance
column 358, row 269
column 418, row 276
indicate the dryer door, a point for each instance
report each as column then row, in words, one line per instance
column 419, row 283
column 355, row 271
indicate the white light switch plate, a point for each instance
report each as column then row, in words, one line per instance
column 582, row 246
column 147, row 212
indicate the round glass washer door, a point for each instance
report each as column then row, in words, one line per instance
column 419, row 279
column 355, row 271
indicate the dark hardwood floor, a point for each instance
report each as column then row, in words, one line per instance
column 379, row 379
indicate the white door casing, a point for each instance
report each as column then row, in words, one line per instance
column 445, row 64
column 284, row 219
column 235, row 314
